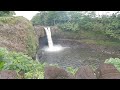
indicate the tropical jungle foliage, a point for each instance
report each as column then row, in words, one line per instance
column 80, row 20
column 19, row 62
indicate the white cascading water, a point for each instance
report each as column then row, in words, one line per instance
column 50, row 42
column 48, row 32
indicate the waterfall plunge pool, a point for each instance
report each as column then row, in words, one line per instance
column 67, row 53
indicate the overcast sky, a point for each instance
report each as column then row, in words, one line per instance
column 27, row 14
column 30, row 14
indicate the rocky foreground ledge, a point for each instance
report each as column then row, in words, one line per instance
column 104, row 71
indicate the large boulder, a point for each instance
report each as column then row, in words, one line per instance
column 17, row 34
column 85, row 72
column 110, row 76
column 53, row 72
column 8, row 74
column 107, row 71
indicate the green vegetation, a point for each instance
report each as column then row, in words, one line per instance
column 49, row 18
column 114, row 61
column 83, row 26
column 31, row 41
column 19, row 62
column 72, row 70
column 76, row 21
column 11, row 20
column 7, row 13
column 69, row 27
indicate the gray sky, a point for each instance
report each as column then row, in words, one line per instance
column 26, row 14
column 30, row 14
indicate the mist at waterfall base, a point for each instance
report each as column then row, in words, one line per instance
column 51, row 47
column 55, row 48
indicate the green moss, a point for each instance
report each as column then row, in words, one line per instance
column 31, row 40
column 9, row 20
column 20, row 23
column 31, row 45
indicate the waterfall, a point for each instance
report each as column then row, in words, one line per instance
column 51, row 48
column 48, row 33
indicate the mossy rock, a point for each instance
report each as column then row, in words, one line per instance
column 17, row 34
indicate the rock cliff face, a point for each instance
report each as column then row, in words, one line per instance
column 17, row 34
column 55, row 32
column 39, row 31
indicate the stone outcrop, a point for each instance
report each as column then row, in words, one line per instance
column 8, row 74
column 85, row 72
column 53, row 72
column 39, row 31
column 107, row 71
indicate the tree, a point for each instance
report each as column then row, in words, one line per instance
column 50, row 18
column 7, row 13
column 81, row 20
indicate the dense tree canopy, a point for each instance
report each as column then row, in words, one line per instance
column 49, row 17
column 80, row 20
column 7, row 13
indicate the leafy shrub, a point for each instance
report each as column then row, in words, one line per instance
column 114, row 61
column 72, row 70
column 20, row 62
column 69, row 27
column 6, row 13
column 36, row 73
column 3, row 53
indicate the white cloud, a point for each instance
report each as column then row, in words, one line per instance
column 30, row 14
column 26, row 14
